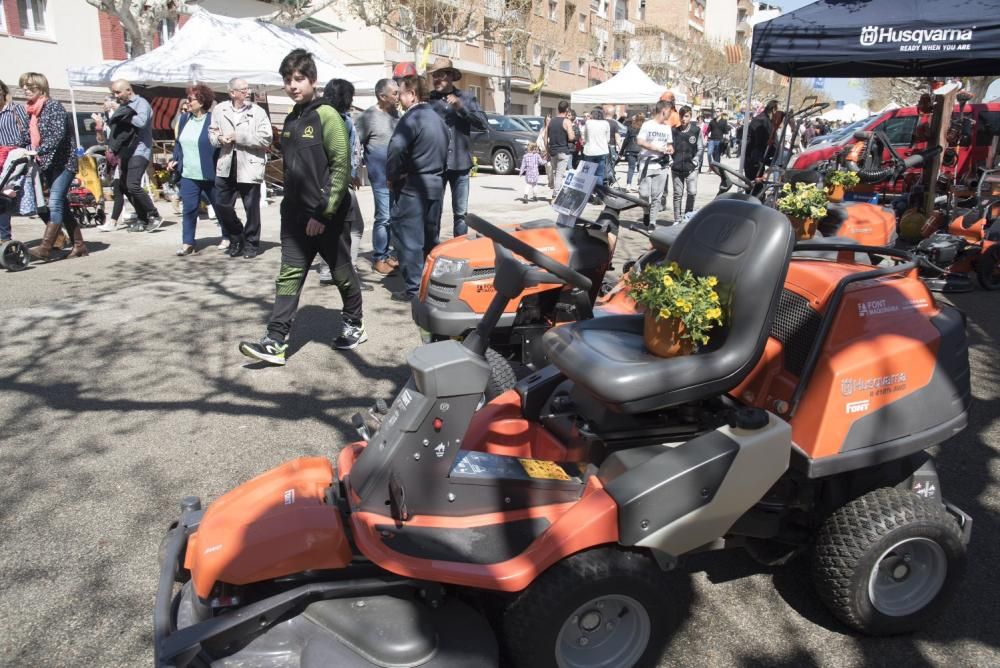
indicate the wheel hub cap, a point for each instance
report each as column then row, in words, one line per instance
column 907, row 577
column 609, row 631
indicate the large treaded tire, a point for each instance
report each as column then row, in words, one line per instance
column 851, row 542
column 502, row 376
column 532, row 622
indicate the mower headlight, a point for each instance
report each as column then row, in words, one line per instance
column 444, row 266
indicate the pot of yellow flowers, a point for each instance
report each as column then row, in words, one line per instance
column 680, row 308
column 838, row 182
column 804, row 204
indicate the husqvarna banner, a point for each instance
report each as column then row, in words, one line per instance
column 878, row 38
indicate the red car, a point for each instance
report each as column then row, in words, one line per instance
column 901, row 127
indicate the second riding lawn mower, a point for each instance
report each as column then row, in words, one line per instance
column 967, row 244
column 457, row 284
column 538, row 528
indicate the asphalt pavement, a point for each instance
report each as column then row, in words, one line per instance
column 122, row 390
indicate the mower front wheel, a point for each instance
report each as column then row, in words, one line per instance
column 502, row 376
column 603, row 607
column 888, row 562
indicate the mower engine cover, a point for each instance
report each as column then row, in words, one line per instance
column 942, row 249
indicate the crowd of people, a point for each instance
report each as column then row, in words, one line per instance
column 414, row 144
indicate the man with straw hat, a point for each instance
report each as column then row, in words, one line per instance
column 461, row 113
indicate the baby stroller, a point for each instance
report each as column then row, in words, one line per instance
column 20, row 188
column 86, row 194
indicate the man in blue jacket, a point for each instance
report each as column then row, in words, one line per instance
column 415, row 165
column 461, row 114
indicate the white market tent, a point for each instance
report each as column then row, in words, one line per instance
column 213, row 49
column 848, row 114
column 630, row 86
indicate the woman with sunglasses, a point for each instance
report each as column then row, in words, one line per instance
column 50, row 135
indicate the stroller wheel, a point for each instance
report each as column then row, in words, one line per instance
column 13, row 256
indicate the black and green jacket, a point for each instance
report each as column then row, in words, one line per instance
column 317, row 160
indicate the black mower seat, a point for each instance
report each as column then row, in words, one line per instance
column 747, row 247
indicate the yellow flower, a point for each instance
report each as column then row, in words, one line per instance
column 674, row 267
column 713, row 313
column 667, row 281
column 712, row 281
column 664, row 313
column 714, row 297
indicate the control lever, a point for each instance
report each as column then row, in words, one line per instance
column 359, row 426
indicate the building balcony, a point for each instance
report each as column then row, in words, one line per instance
column 492, row 58
column 743, row 28
column 624, row 27
column 445, row 47
column 745, row 5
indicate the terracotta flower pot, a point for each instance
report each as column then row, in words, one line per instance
column 835, row 193
column 663, row 337
column 805, row 228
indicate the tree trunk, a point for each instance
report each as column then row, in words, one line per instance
column 978, row 87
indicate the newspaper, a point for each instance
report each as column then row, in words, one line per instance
column 575, row 192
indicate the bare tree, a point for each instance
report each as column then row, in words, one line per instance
column 978, row 87
column 418, row 23
column 294, row 11
column 903, row 91
column 141, row 19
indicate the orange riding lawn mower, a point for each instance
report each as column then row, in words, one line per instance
column 538, row 528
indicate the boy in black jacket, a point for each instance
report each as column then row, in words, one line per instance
column 314, row 211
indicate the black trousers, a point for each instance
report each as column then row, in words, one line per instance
column 297, row 254
column 143, row 203
column 226, row 191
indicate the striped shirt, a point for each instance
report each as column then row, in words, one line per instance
column 13, row 125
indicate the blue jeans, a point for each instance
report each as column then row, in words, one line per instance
column 601, row 161
column 415, row 226
column 191, row 192
column 57, row 196
column 459, row 182
column 380, row 229
column 633, row 166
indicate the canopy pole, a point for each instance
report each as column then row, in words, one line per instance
column 746, row 118
column 76, row 125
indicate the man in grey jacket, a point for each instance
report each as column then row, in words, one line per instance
column 242, row 130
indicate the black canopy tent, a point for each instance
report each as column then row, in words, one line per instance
column 882, row 38
column 879, row 38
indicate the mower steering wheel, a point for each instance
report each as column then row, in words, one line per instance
column 747, row 183
column 530, row 254
column 628, row 197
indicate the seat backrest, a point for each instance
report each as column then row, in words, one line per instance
column 747, row 246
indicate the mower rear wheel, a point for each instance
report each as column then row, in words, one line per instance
column 502, row 376
column 603, row 607
column 888, row 562
column 988, row 269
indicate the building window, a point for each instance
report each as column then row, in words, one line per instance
column 476, row 93
column 536, row 55
column 583, row 23
column 565, row 66
column 581, row 66
column 32, row 14
column 537, row 6
column 553, row 7
column 3, row 19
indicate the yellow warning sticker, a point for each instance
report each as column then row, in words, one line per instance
column 536, row 468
